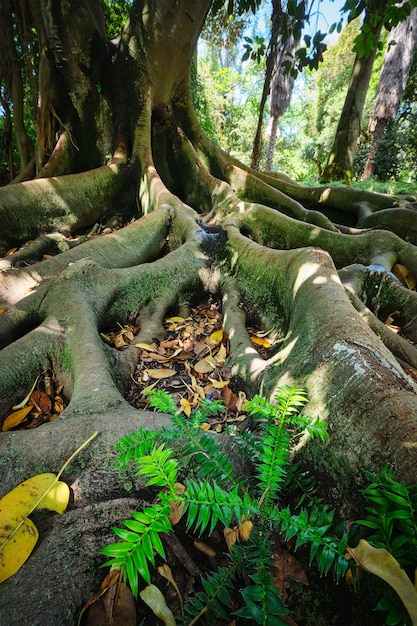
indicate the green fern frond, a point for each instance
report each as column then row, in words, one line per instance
column 392, row 516
column 215, row 600
column 139, row 541
column 159, row 467
column 134, row 446
column 160, row 400
column 312, row 528
column 290, row 399
column 262, row 602
column 273, row 461
column 207, row 503
column 201, row 452
column 261, row 408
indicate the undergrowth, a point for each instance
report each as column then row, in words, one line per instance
column 197, row 481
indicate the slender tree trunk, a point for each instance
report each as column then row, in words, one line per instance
column 340, row 162
column 273, row 51
column 398, row 59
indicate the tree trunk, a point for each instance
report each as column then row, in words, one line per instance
column 196, row 223
column 271, row 58
column 398, row 59
column 340, row 162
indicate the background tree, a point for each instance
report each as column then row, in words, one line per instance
column 282, row 83
column 340, row 162
column 117, row 141
column 398, row 59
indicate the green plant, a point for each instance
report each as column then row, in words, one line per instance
column 220, row 496
column 391, row 520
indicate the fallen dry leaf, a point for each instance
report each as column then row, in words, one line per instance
column 16, row 418
column 205, row 365
column 41, row 402
column 405, row 275
column 216, row 336
column 164, row 372
column 261, row 341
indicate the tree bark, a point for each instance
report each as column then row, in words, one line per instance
column 398, row 59
column 340, row 162
column 199, row 224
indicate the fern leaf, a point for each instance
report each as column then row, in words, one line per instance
column 161, row 400
column 138, row 544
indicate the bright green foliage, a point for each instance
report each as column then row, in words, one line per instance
column 392, row 522
column 135, row 446
column 313, row 528
column 219, row 496
column 262, row 604
column 393, row 516
column 140, row 540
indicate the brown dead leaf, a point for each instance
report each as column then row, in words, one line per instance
column 164, row 372
column 165, row 571
column 116, row 607
column 3, row 311
column 405, row 275
column 230, row 399
column 205, row 365
column 16, row 418
column 204, row 548
column 188, row 344
column 41, row 401
column 231, row 535
column 286, row 566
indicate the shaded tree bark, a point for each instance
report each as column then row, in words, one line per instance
column 300, row 260
column 392, row 81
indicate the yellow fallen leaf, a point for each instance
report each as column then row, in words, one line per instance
column 18, row 548
column 175, row 320
column 216, row 336
column 185, row 406
column 205, row 426
column 261, row 341
column 153, row 597
column 219, row 384
column 18, row 534
column 11, row 251
column 145, row 346
column 245, row 530
column 231, row 536
column 205, row 365
column 380, row 562
column 16, row 418
column 161, row 373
